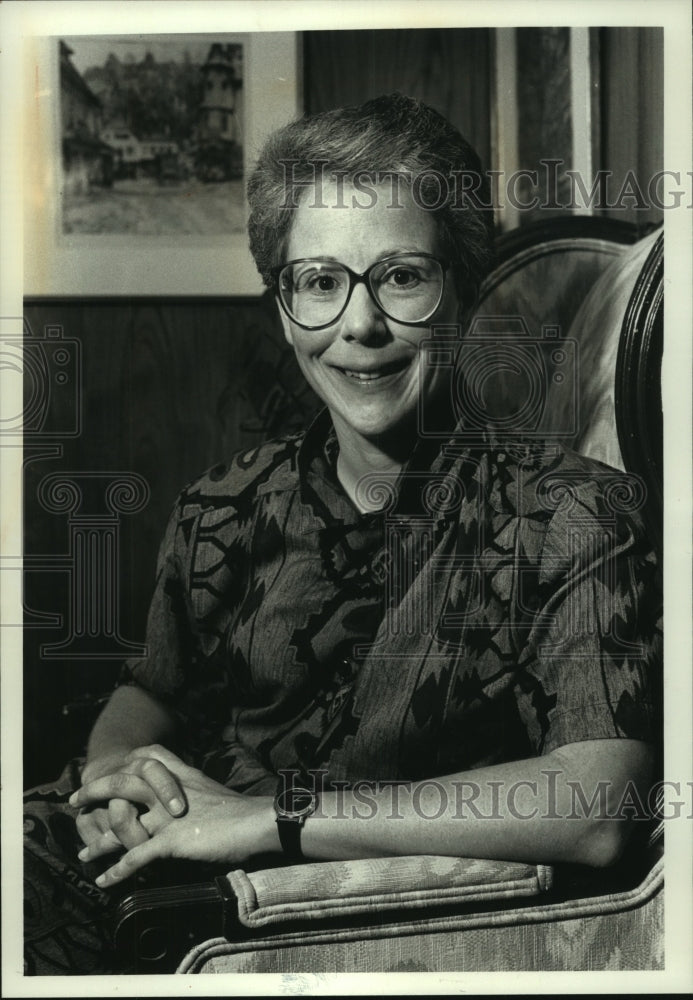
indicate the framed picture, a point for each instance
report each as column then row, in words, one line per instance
column 137, row 156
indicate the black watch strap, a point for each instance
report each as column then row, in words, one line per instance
column 290, row 839
column 293, row 803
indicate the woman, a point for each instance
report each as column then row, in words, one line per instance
column 367, row 603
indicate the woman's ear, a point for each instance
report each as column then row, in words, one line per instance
column 286, row 322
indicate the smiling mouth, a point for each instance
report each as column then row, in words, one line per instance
column 374, row 376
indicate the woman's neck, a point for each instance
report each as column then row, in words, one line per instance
column 361, row 457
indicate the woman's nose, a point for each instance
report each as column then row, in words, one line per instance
column 362, row 320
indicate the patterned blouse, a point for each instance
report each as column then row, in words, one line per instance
column 502, row 602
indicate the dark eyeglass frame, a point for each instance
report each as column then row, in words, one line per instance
column 355, row 279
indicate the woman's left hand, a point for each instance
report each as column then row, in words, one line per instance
column 219, row 825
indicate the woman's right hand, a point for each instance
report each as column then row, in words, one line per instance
column 115, row 825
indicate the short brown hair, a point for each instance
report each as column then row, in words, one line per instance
column 389, row 135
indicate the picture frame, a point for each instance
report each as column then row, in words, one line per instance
column 64, row 259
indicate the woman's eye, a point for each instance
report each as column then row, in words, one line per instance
column 325, row 283
column 317, row 282
column 403, row 277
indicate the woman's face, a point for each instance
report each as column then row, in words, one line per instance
column 367, row 368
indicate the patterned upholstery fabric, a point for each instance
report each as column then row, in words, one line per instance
column 611, row 932
column 340, row 888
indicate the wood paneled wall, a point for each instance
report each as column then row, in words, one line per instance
column 168, row 389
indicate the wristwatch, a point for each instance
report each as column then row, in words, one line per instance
column 292, row 804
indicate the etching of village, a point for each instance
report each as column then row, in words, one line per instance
column 151, row 135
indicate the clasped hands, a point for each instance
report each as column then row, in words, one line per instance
column 152, row 805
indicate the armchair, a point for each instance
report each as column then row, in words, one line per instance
column 595, row 283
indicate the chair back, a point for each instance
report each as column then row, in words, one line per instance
column 568, row 343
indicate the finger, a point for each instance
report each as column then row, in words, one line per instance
column 177, row 767
column 125, row 824
column 91, row 824
column 107, row 843
column 185, row 775
column 131, row 862
column 87, row 827
column 150, row 822
column 114, row 786
column 164, row 784
column 158, row 752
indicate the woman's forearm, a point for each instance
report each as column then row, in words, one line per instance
column 562, row 807
column 556, row 808
column 132, row 718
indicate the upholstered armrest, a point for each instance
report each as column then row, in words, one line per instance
column 240, row 905
column 332, row 889
column 357, row 901
column 568, row 929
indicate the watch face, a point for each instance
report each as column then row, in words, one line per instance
column 293, row 803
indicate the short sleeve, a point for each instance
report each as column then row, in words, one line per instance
column 165, row 668
column 591, row 666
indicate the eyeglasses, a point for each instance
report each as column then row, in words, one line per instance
column 407, row 287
